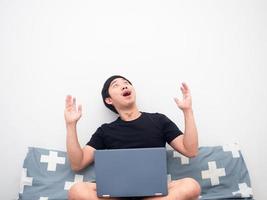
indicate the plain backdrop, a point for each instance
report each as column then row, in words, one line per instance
column 51, row 48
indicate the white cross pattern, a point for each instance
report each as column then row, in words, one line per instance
column 77, row 178
column 184, row 159
column 43, row 198
column 52, row 160
column 234, row 148
column 24, row 180
column 244, row 190
column 213, row 173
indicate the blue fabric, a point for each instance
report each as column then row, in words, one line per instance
column 229, row 178
column 234, row 168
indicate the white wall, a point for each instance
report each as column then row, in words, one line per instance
column 49, row 49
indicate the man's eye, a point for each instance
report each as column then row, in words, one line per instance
column 115, row 85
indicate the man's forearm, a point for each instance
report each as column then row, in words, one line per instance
column 190, row 135
column 74, row 150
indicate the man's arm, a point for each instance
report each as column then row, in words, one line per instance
column 79, row 158
column 187, row 144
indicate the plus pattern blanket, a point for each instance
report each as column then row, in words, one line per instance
column 220, row 170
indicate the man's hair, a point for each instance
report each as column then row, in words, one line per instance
column 105, row 93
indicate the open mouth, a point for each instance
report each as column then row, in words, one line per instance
column 126, row 93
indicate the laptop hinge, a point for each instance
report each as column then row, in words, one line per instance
column 158, row 194
column 106, row 195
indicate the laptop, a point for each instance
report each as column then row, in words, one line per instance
column 131, row 172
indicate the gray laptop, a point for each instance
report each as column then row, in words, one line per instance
column 131, row 172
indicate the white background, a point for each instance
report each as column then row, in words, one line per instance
column 51, row 48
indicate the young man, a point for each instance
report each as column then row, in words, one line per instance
column 132, row 129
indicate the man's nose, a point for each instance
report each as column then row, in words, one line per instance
column 124, row 87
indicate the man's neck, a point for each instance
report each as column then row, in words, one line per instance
column 129, row 115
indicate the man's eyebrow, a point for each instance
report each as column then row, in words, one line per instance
column 114, row 81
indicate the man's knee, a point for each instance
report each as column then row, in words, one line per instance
column 81, row 191
column 192, row 187
column 195, row 187
column 189, row 187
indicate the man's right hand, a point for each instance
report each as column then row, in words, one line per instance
column 71, row 113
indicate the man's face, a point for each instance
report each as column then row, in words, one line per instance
column 122, row 94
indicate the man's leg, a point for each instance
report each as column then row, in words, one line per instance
column 84, row 191
column 183, row 189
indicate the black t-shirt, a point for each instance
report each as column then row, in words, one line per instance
column 149, row 130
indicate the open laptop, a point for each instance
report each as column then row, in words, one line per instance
column 131, row 172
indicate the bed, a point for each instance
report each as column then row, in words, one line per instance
column 220, row 170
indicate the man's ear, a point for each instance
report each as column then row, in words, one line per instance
column 108, row 100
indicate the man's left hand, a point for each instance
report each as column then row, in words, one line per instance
column 185, row 103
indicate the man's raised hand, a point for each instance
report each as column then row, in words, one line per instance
column 185, row 103
column 71, row 113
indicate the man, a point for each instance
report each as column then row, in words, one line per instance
column 132, row 129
